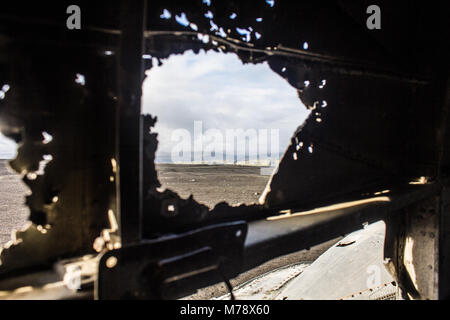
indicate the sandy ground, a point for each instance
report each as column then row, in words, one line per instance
column 304, row 257
column 13, row 213
column 208, row 184
column 211, row 184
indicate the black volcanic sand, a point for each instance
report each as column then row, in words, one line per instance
column 210, row 184
column 13, row 213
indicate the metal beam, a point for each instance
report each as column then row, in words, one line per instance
column 280, row 235
column 129, row 133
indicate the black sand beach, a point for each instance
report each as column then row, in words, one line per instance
column 209, row 184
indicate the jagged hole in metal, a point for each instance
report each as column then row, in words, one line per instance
column 222, row 125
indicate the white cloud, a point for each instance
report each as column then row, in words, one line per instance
column 221, row 91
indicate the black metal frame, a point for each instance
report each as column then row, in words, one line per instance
column 212, row 245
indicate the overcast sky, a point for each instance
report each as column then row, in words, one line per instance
column 223, row 93
column 217, row 89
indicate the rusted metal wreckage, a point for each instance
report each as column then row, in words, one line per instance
column 98, row 208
